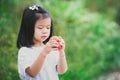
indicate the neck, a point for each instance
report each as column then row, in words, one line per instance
column 37, row 43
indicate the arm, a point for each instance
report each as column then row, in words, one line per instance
column 34, row 69
column 62, row 65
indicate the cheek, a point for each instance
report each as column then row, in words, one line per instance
column 37, row 33
column 49, row 31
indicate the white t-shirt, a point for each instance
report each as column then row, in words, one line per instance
column 26, row 56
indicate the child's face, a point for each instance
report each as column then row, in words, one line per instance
column 42, row 30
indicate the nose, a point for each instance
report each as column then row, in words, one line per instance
column 45, row 30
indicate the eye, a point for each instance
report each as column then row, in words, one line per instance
column 39, row 28
column 48, row 27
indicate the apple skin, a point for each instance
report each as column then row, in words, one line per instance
column 55, row 38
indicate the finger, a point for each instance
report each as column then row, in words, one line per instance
column 50, row 44
column 54, row 43
column 54, row 49
column 60, row 38
column 62, row 41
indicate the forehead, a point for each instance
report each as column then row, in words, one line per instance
column 46, row 21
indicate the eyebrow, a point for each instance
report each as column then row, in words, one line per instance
column 42, row 25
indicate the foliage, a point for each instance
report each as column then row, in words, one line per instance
column 92, row 38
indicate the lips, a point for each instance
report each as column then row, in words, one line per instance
column 43, row 36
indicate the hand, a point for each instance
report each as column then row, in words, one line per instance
column 62, row 43
column 50, row 46
column 59, row 40
column 62, row 49
column 56, row 38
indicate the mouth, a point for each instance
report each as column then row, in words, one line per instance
column 43, row 37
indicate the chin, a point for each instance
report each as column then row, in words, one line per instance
column 44, row 39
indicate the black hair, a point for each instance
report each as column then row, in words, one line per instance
column 29, row 18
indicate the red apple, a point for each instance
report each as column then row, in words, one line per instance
column 57, row 40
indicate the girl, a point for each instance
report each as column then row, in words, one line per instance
column 38, row 58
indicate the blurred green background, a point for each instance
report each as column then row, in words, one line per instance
column 90, row 28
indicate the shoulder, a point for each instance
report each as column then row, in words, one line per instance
column 22, row 49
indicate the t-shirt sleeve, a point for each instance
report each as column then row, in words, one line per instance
column 24, row 61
